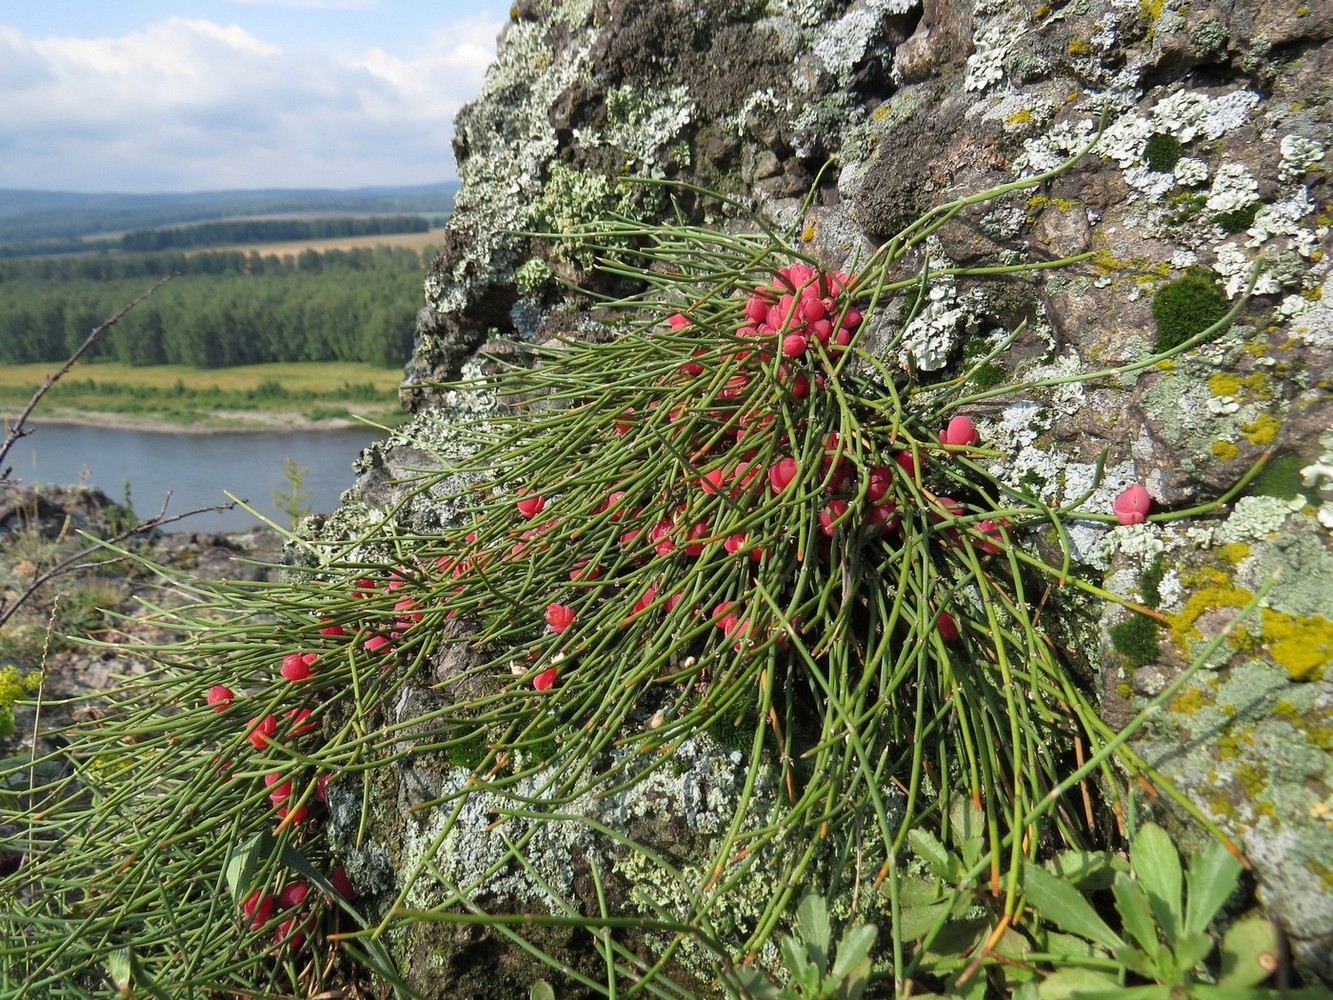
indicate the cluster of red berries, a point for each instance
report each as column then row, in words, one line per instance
column 298, row 669
column 794, row 329
column 258, row 907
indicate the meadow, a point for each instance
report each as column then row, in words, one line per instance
column 293, row 395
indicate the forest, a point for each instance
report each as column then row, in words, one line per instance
column 224, row 307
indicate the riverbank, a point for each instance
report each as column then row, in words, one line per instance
column 297, row 396
column 220, row 422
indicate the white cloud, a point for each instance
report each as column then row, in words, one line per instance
column 311, row 4
column 191, row 104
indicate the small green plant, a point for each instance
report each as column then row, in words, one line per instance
column 814, row 971
column 1165, row 941
column 14, row 687
column 293, row 498
column 1186, row 308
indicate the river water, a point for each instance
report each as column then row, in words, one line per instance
column 195, row 469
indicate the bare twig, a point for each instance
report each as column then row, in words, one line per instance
column 73, row 564
column 19, row 428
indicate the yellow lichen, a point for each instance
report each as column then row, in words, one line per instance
column 1303, row 647
column 1234, row 552
column 1255, row 386
column 1041, row 11
column 1020, row 117
column 1217, row 595
column 808, row 233
column 1188, row 701
column 1079, row 47
column 1263, row 429
column 1224, row 450
column 1151, row 9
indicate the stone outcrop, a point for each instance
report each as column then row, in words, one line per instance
column 1213, row 157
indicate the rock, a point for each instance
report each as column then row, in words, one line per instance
column 1214, row 155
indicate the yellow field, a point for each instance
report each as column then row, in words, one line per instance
column 296, row 376
column 413, row 241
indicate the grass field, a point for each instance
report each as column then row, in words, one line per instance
column 413, row 241
column 293, row 395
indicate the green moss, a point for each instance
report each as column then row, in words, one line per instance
column 1239, row 220
column 1281, row 478
column 470, row 752
column 1136, row 640
column 1150, row 583
column 1162, row 152
column 1186, row 307
column 989, row 375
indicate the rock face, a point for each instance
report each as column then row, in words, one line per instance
column 1212, row 158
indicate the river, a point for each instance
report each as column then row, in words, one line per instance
column 196, row 469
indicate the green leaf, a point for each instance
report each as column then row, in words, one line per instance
column 854, row 950
column 1156, row 865
column 1211, row 880
column 1086, row 870
column 541, row 990
column 967, row 830
column 812, row 927
column 756, row 984
column 1136, row 913
column 1249, row 952
column 1059, row 903
column 1191, row 949
column 246, row 858
column 1068, row 983
column 928, row 848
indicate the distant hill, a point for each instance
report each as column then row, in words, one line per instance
column 56, row 218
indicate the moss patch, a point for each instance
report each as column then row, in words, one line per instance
column 1162, row 152
column 1186, row 307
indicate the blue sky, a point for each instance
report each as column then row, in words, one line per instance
column 146, row 95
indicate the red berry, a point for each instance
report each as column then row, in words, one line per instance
column 993, row 530
column 711, row 481
column 947, row 626
column 794, row 345
column 296, row 666
column 908, row 463
column 881, row 479
column 531, row 506
column 828, row 517
column 342, row 885
column 260, row 731
column 883, row 515
column 279, row 790
column 1132, row 505
column 545, row 680
column 781, row 473
column 960, row 432
column 296, row 721
column 257, row 907
column 293, row 894
column 678, row 320
column 220, row 697
column 290, row 933
column 559, row 616
column 335, row 629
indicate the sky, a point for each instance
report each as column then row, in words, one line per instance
column 146, row 96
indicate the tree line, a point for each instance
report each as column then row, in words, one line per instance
column 225, row 308
column 269, row 230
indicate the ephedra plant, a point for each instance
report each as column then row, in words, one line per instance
column 733, row 519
